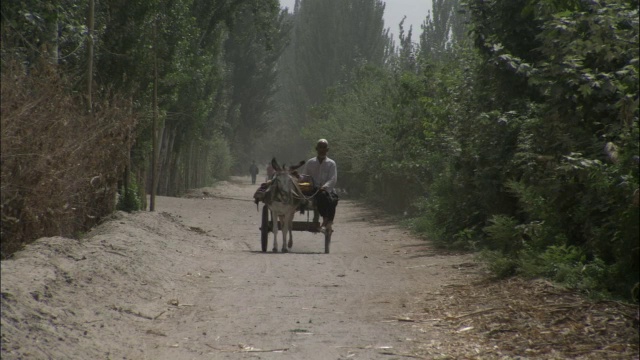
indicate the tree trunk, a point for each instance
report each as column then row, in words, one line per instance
column 192, row 166
column 52, row 48
column 154, row 135
column 167, row 140
column 142, row 186
column 90, row 57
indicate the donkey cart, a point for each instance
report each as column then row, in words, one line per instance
column 266, row 228
column 284, row 194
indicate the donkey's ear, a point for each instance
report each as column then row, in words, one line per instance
column 297, row 166
column 274, row 165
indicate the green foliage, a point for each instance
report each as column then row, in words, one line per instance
column 526, row 148
column 555, row 262
column 44, row 31
column 221, row 158
column 445, row 211
column 530, row 150
column 499, row 264
column 504, row 234
column 567, row 265
column 571, row 75
column 130, row 200
column 354, row 119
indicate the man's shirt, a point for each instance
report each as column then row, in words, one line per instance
column 323, row 174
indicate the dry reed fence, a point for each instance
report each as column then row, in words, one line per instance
column 59, row 165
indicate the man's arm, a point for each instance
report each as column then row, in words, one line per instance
column 310, row 168
column 333, row 177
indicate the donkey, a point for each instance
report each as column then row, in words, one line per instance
column 283, row 197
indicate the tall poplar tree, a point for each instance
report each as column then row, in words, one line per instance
column 330, row 39
column 443, row 28
column 255, row 43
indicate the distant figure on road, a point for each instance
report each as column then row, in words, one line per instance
column 253, row 170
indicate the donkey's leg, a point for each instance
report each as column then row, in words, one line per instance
column 285, row 232
column 290, row 236
column 274, row 219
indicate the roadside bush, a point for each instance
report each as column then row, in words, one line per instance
column 499, row 264
column 130, row 200
column 559, row 263
column 504, row 234
column 420, row 225
column 567, row 265
column 444, row 213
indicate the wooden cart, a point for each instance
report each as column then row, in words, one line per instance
column 266, row 228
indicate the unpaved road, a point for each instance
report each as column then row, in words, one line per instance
column 190, row 282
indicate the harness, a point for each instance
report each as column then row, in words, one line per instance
column 306, row 182
column 269, row 192
column 298, row 194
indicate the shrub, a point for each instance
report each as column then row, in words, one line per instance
column 504, row 234
column 130, row 200
column 567, row 265
column 500, row 265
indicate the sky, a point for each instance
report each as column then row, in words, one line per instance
column 394, row 11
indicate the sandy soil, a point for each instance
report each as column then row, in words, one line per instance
column 189, row 282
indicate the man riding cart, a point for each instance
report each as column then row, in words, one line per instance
column 314, row 187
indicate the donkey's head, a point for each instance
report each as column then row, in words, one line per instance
column 284, row 187
column 277, row 167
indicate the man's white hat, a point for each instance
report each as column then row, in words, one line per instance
column 322, row 141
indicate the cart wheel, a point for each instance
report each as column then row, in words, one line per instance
column 264, row 229
column 327, row 240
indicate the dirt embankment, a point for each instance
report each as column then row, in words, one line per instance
column 190, row 282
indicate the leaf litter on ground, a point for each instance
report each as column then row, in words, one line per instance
column 527, row 319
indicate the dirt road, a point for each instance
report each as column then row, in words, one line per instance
column 189, row 282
